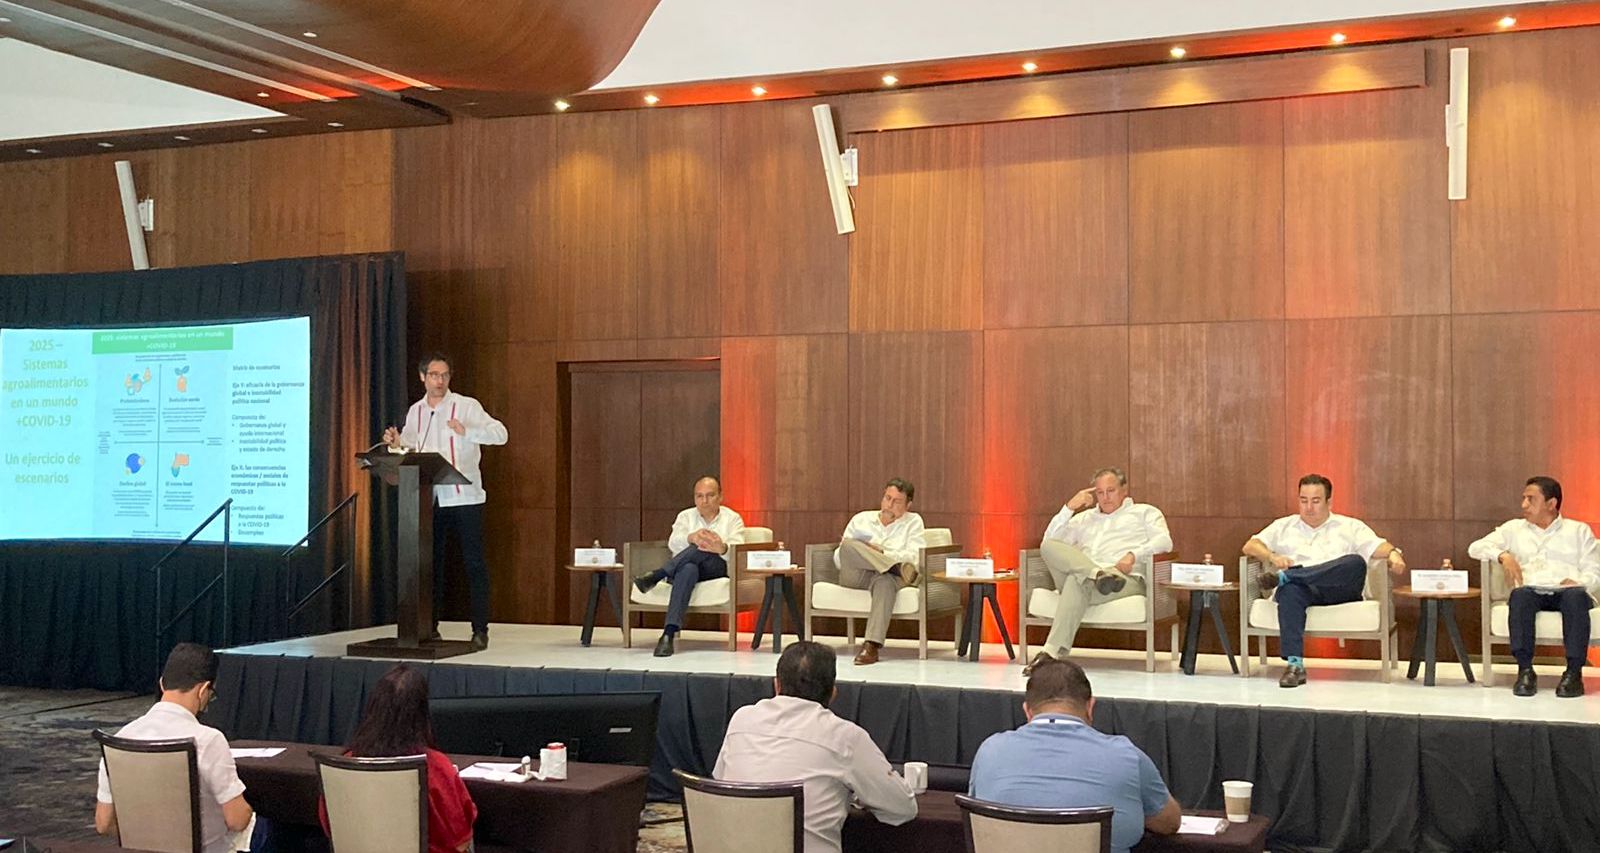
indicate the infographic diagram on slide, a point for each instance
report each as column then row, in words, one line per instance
column 141, row 433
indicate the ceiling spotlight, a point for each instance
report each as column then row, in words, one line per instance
column 1178, row 53
column 758, row 91
column 1337, row 38
column 104, row 144
column 336, row 124
column 181, row 138
column 308, row 34
column 7, row 21
column 890, row 79
column 263, row 94
column 652, row 100
column 562, row 106
column 1506, row 23
column 258, row 130
column 1030, row 67
column 34, row 151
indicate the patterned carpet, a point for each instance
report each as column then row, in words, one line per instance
column 48, row 761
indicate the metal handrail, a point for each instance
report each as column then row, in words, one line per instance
column 291, row 607
column 226, row 511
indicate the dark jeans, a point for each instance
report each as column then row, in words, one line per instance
column 465, row 525
column 687, row 568
column 1337, row 581
column 1574, row 604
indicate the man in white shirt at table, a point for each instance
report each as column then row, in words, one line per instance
column 793, row 736
column 699, row 542
column 879, row 553
column 1314, row 558
column 1091, row 547
column 1550, row 563
column 454, row 426
column 186, row 689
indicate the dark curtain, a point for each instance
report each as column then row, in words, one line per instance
column 82, row 614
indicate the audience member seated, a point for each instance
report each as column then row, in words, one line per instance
column 794, row 737
column 396, row 722
column 1550, row 563
column 700, row 538
column 1059, row 761
column 879, row 553
column 186, row 689
column 1314, row 558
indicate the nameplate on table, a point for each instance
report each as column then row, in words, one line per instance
column 969, row 567
column 770, row 560
column 1197, row 574
column 1438, row 580
column 594, row 557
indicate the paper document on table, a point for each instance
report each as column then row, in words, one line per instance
column 509, row 771
column 256, row 751
column 1192, row 824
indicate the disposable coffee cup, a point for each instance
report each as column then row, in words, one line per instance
column 916, row 773
column 1236, row 800
column 553, row 761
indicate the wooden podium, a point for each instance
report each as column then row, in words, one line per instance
column 415, row 473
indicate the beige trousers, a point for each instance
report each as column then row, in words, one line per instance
column 861, row 567
column 1074, row 573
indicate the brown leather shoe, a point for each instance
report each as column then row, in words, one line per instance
column 908, row 574
column 1037, row 659
column 868, row 654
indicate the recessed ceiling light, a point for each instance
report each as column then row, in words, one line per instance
column 1507, row 22
column 890, row 79
column 336, row 124
column 562, row 106
column 7, row 21
column 34, row 151
column 181, row 138
column 104, row 144
column 263, row 94
column 1337, row 38
column 652, row 100
column 258, row 130
column 308, row 34
column 1030, row 67
column 758, row 91
column 1178, row 53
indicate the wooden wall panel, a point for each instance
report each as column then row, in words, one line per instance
column 358, row 173
column 522, row 569
column 681, row 175
column 1206, row 421
column 606, row 422
column 287, row 184
column 679, row 434
column 1055, row 408
column 97, row 239
column 1527, row 401
column 1523, row 234
column 433, row 221
column 1208, row 179
column 33, row 217
column 596, row 226
column 210, row 205
column 785, row 423
column 781, row 267
column 916, row 259
column 1193, row 537
column 513, row 254
column 524, row 382
column 916, row 413
column 1055, row 222
column 1368, row 406
column 1366, row 226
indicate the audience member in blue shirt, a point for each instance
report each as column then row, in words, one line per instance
column 1059, row 761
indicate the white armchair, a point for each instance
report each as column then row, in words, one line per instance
column 918, row 603
column 1495, row 593
column 1037, row 598
column 1371, row 618
column 723, row 596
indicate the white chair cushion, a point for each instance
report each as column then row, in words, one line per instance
column 1353, row 616
column 711, row 593
column 1546, row 625
column 758, row 534
column 1122, row 611
column 831, row 596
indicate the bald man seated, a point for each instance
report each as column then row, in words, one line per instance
column 700, row 539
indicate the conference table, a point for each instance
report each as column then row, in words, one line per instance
column 937, row 829
column 596, row 808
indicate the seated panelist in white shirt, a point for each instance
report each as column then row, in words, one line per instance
column 878, row 553
column 186, row 689
column 1314, row 558
column 699, row 542
column 1550, row 563
column 1090, row 548
column 793, row 736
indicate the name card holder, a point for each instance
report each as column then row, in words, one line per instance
column 1198, row 574
column 770, row 560
column 1438, row 580
column 969, row 567
column 594, row 557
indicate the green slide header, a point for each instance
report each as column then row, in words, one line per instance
column 163, row 340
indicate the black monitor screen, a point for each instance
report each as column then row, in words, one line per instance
column 601, row 728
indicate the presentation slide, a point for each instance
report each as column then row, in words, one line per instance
column 140, row 433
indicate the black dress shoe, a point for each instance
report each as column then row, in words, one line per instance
column 644, row 583
column 1039, row 658
column 664, row 646
column 1527, row 683
column 1571, row 684
column 1109, row 583
column 1293, row 676
column 433, row 636
column 1267, row 582
column 480, row 640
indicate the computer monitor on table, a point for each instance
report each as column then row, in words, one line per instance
column 600, row 728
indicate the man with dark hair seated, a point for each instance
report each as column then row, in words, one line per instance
column 186, row 689
column 793, row 736
column 1059, row 761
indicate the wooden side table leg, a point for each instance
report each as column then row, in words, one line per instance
column 1417, row 643
column 1431, row 609
column 1454, row 631
column 1213, row 603
column 991, row 593
column 1191, row 634
column 775, row 594
column 590, row 607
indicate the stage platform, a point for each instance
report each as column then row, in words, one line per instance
column 1345, row 762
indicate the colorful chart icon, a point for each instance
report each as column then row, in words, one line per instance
column 134, row 382
column 183, row 378
column 179, row 462
column 133, row 463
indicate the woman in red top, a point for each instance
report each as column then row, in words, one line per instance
column 396, row 722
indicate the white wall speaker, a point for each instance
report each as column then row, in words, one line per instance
column 130, row 215
column 833, row 167
column 1455, row 124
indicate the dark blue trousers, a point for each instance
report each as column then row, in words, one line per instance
column 1337, row 581
column 1573, row 602
column 687, row 568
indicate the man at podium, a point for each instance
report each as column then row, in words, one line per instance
column 454, row 426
